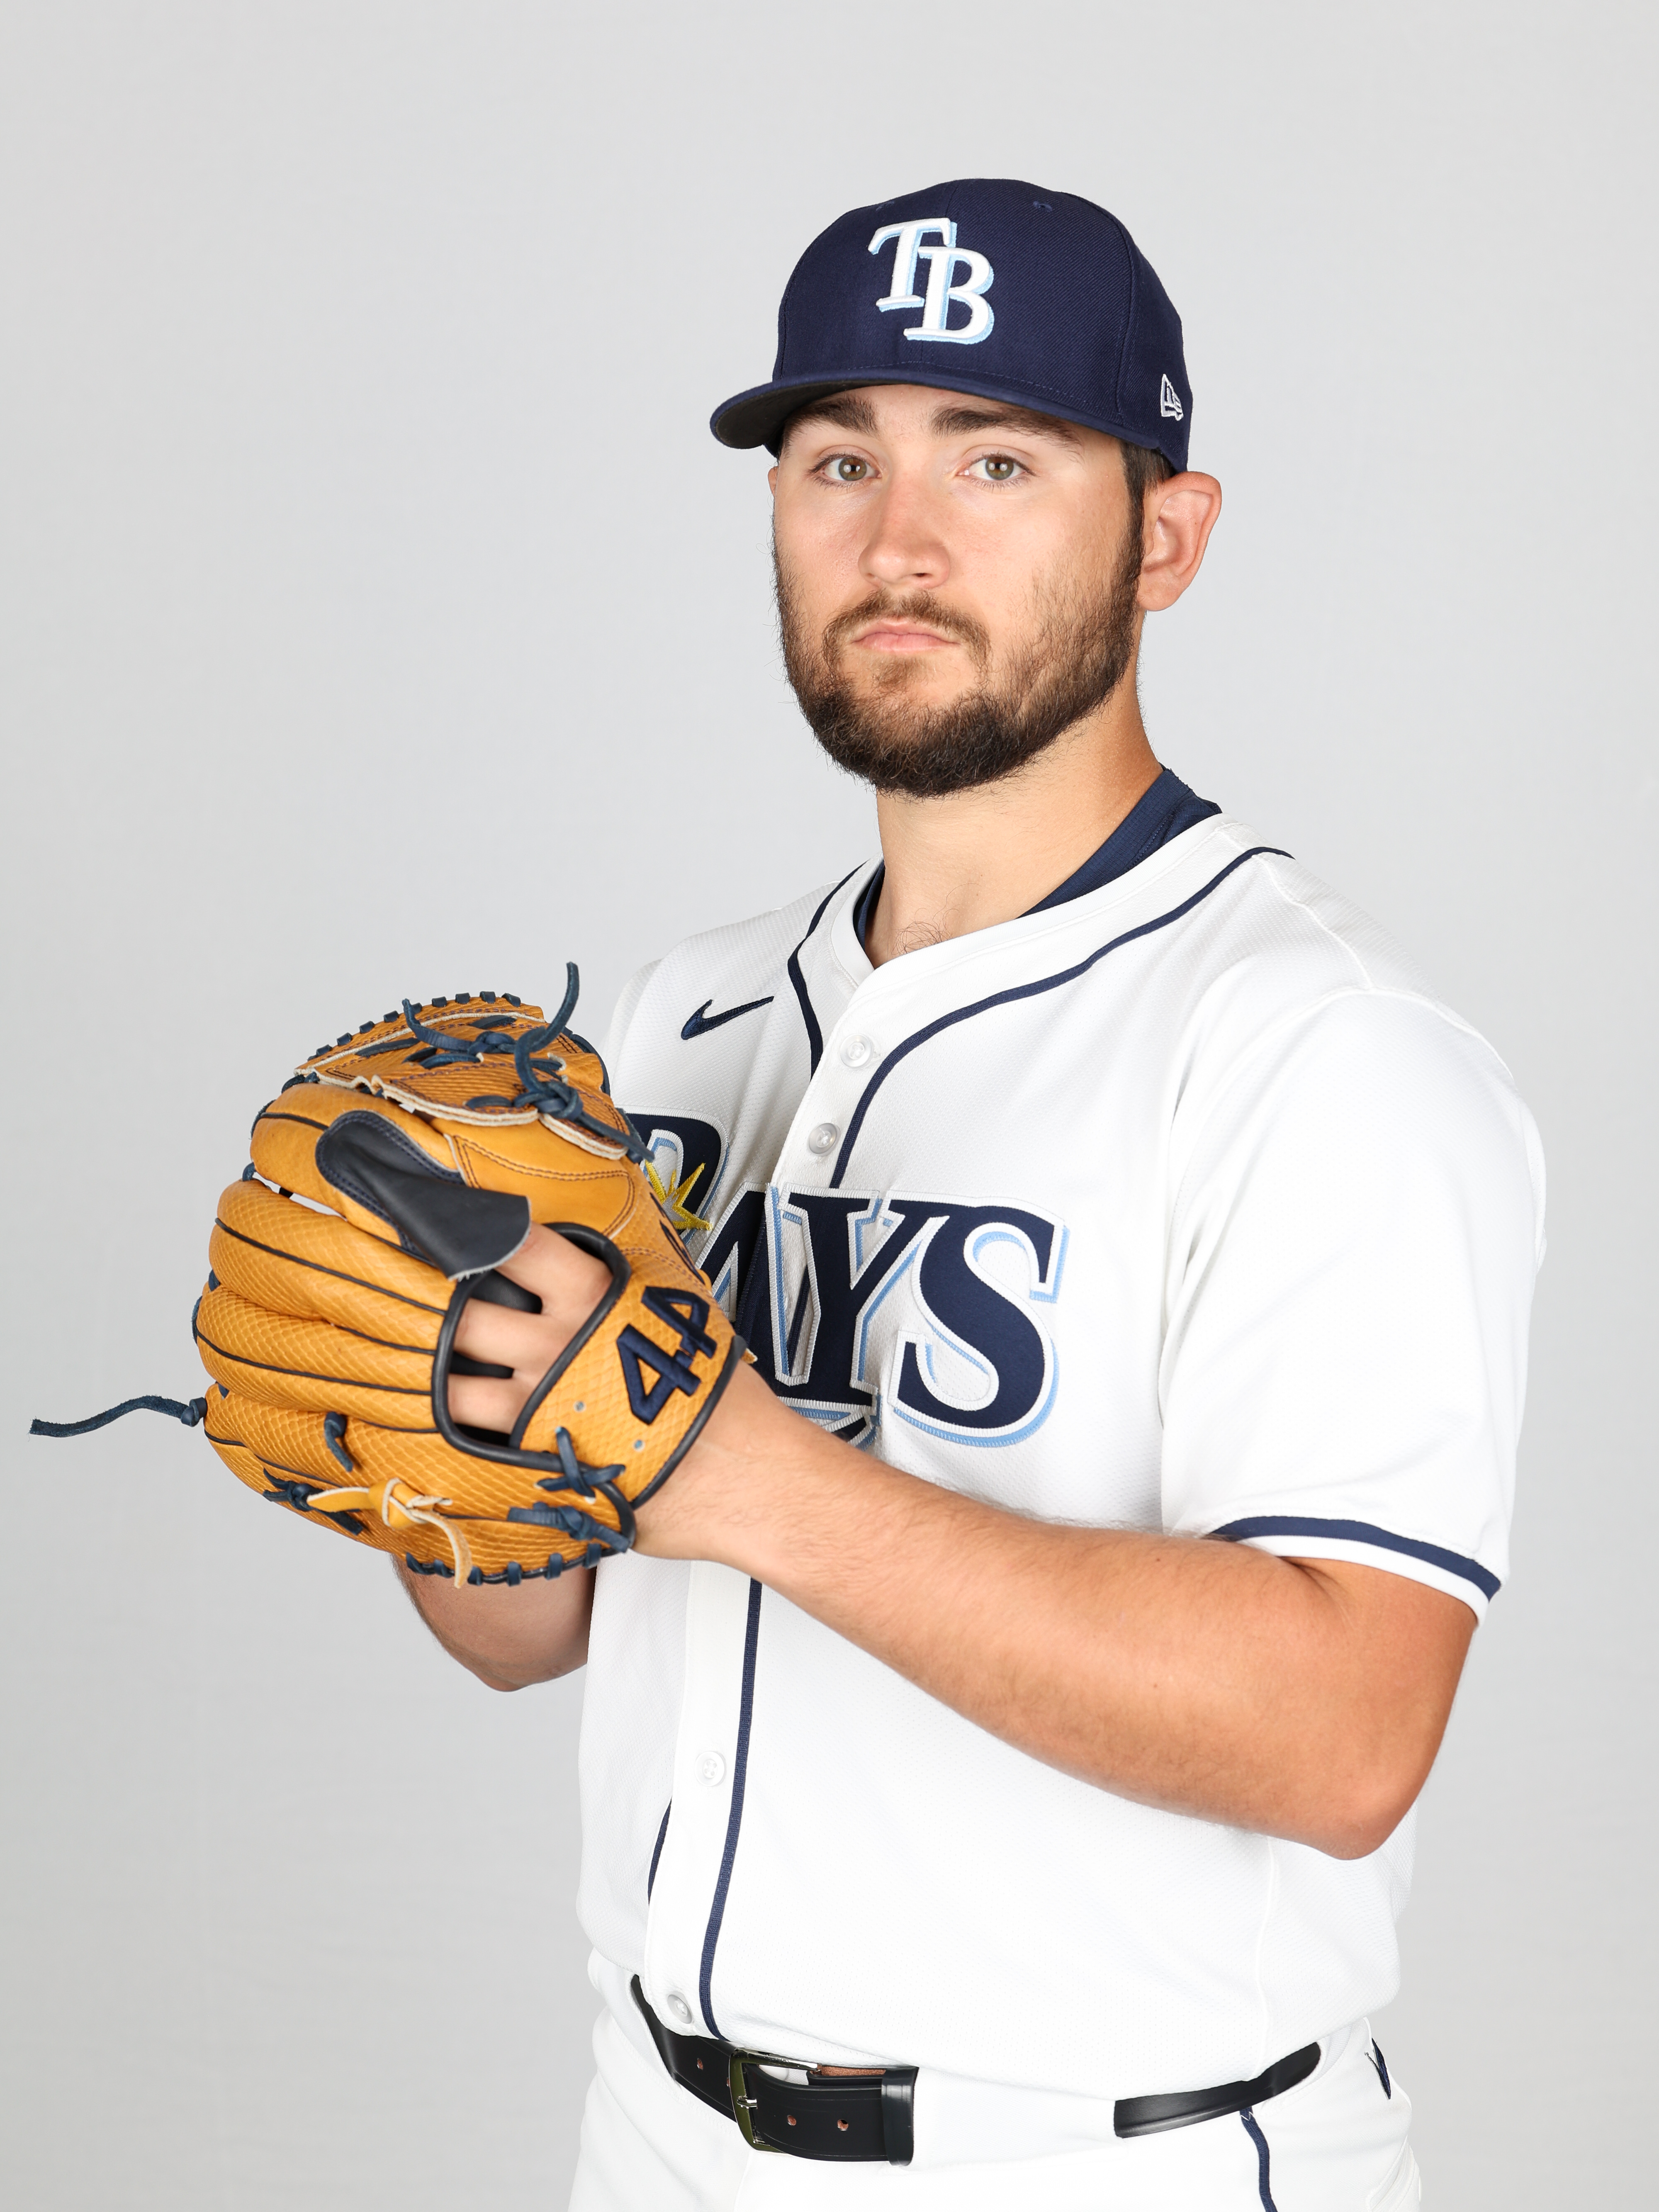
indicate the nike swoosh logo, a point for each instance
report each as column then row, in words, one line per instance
column 702, row 1021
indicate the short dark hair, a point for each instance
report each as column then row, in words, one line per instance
column 1143, row 467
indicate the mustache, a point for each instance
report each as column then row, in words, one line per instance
column 920, row 607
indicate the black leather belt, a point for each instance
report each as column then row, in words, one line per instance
column 819, row 2115
column 1149, row 2115
column 871, row 2115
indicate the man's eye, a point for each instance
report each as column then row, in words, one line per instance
column 847, row 468
column 999, row 468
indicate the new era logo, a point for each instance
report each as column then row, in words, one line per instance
column 1168, row 402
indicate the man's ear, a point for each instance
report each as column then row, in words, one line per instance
column 1180, row 515
column 772, row 479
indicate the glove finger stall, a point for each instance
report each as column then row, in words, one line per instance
column 292, row 1259
column 281, row 1360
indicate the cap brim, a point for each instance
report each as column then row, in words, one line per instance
column 757, row 416
column 754, row 417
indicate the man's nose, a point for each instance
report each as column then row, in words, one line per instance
column 906, row 549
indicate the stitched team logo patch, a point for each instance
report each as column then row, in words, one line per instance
column 943, row 293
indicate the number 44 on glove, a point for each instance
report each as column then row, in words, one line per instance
column 397, row 1171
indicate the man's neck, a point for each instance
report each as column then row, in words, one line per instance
column 980, row 857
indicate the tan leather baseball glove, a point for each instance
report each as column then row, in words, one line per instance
column 390, row 1179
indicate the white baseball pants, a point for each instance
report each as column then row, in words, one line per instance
column 1334, row 2143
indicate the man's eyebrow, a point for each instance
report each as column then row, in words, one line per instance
column 963, row 421
column 853, row 410
column 848, row 410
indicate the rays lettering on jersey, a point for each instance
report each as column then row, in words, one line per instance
column 858, row 1305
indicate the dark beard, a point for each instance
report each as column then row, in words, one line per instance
column 1084, row 647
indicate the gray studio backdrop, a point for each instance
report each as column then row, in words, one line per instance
column 378, row 616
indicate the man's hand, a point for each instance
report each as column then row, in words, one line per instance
column 569, row 1283
column 510, row 1638
column 1302, row 1698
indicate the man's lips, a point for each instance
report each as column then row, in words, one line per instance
column 900, row 637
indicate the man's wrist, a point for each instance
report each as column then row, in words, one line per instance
column 729, row 1500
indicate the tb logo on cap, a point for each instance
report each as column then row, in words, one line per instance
column 942, row 262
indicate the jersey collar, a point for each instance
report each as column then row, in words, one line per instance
column 1166, row 808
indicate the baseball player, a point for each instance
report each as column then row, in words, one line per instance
column 1000, row 1744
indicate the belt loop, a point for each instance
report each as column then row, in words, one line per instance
column 898, row 2106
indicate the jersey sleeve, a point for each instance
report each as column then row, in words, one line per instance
column 1354, row 1243
column 627, row 1006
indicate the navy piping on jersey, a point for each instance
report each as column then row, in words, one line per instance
column 1362, row 1532
column 740, row 1774
column 1163, row 811
column 662, row 1838
column 814, row 1034
column 1026, row 991
column 1263, row 2164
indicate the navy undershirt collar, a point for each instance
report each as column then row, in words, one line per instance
column 1161, row 812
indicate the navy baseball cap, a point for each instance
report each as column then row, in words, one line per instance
column 986, row 285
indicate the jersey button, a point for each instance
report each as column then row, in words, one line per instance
column 712, row 1767
column 678, row 2006
column 856, row 1051
column 822, row 1139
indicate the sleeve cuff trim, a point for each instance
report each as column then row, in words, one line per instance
column 1362, row 1532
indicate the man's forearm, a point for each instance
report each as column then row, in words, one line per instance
column 1302, row 1700
column 508, row 1638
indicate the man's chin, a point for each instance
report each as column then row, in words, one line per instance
column 916, row 678
column 900, row 758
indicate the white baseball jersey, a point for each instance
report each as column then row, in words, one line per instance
column 1179, row 1204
